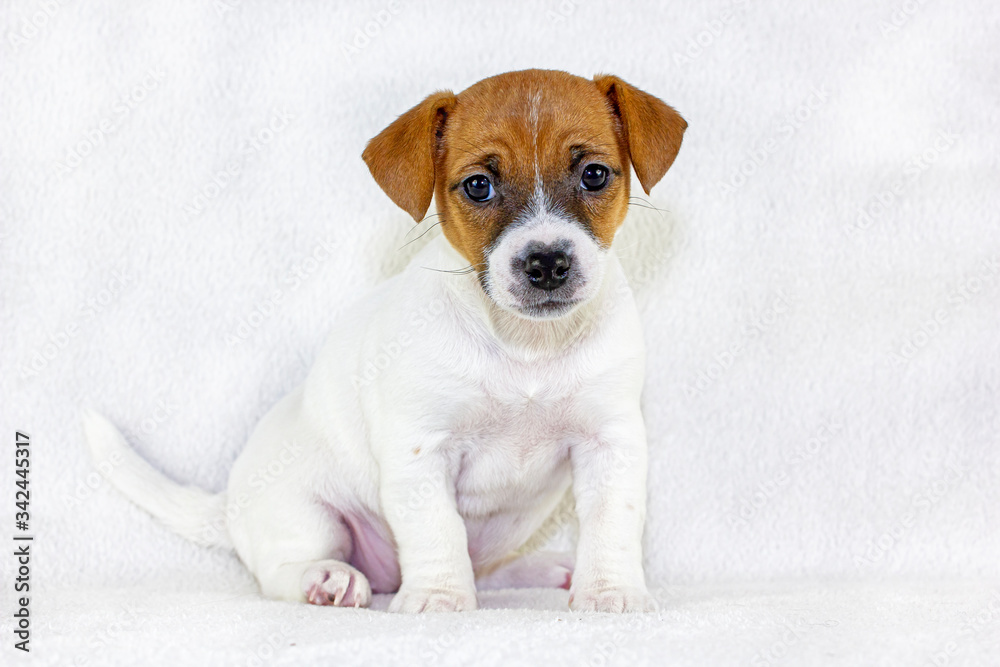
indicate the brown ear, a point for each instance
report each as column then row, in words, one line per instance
column 403, row 156
column 652, row 129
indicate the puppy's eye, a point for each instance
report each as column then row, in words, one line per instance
column 479, row 188
column 595, row 177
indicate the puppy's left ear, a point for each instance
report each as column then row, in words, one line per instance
column 652, row 129
column 403, row 156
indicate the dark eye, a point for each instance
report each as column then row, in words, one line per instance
column 479, row 188
column 595, row 177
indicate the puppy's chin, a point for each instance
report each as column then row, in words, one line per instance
column 548, row 310
column 530, row 305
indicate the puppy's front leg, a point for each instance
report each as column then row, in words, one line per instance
column 418, row 497
column 609, row 483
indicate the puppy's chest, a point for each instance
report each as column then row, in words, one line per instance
column 514, row 441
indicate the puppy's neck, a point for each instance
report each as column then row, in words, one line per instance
column 539, row 338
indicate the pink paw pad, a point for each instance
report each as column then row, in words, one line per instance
column 336, row 584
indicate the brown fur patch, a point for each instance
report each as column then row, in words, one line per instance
column 515, row 128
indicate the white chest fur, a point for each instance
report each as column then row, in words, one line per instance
column 513, row 440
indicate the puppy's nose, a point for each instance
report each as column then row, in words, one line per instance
column 547, row 270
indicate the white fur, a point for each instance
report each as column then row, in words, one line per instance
column 435, row 433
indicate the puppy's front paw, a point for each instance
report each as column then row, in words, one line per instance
column 334, row 583
column 413, row 600
column 613, row 599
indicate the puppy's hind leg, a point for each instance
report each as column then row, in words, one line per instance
column 301, row 554
column 539, row 569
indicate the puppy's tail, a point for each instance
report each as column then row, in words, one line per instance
column 192, row 513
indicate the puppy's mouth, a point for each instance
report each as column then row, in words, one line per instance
column 548, row 309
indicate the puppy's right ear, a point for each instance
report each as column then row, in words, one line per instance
column 403, row 156
column 652, row 130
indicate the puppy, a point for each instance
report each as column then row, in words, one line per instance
column 450, row 411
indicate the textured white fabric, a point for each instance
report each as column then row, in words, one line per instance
column 220, row 623
column 185, row 212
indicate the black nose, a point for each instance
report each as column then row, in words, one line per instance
column 547, row 270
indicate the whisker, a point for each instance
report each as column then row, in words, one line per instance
column 417, row 225
column 645, row 203
column 659, row 212
column 454, row 272
column 651, row 208
column 429, row 228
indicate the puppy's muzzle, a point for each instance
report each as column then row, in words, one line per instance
column 544, row 267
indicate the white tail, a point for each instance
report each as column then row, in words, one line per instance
column 192, row 513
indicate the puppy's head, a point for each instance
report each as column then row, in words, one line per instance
column 531, row 174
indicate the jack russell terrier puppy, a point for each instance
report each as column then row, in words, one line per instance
column 450, row 411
